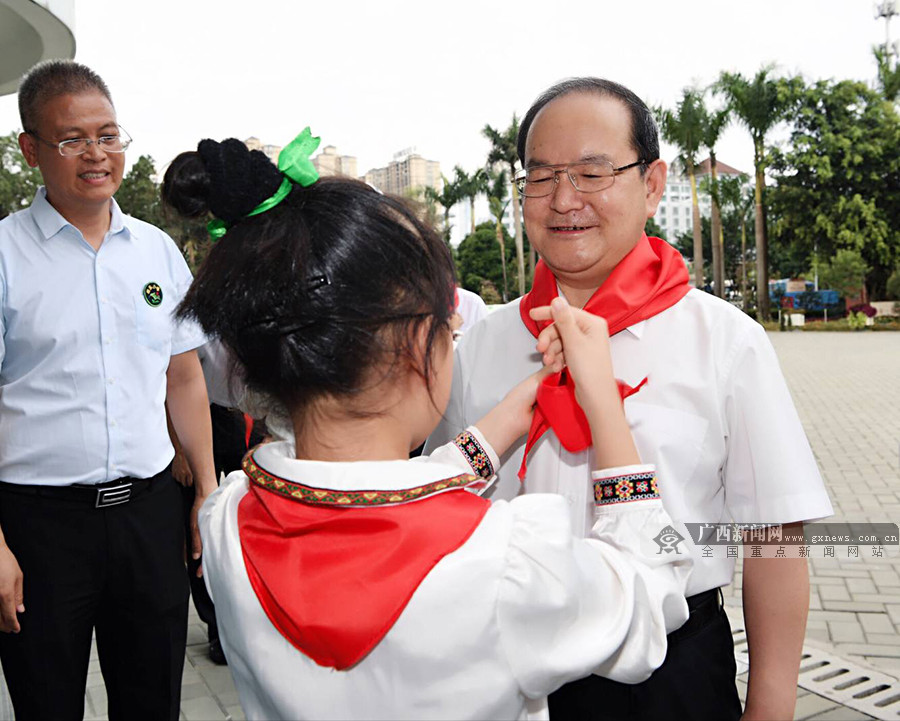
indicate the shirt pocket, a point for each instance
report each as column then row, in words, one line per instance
column 677, row 443
column 153, row 325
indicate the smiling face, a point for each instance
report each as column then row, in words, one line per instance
column 583, row 236
column 84, row 183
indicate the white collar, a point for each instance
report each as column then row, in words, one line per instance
column 279, row 460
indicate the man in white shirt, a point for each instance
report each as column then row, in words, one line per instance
column 714, row 414
column 91, row 535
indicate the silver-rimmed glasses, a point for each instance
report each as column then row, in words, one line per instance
column 541, row 180
column 112, row 143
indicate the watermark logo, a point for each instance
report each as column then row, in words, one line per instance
column 667, row 540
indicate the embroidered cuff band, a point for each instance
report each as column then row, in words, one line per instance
column 640, row 486
column 476, row 456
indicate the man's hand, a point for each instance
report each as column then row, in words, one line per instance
column 181, row 470
column 12, row 600
column 201, row 493
column 579, row 341
column 510, row 419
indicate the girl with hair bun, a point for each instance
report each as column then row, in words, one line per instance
column 349, row 581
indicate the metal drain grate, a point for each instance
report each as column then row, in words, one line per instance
column 849, row 684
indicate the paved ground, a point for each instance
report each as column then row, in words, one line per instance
column 847, row 389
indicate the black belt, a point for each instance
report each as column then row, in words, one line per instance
column 704, row 608
column 99, row 495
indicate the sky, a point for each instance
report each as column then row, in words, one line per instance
column 373, row 78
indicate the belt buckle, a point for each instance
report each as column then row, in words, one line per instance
column 113, row 496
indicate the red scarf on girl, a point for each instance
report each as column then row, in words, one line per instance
column 333, row 573
column 647, row 281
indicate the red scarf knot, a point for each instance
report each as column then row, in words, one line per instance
column 647, row 281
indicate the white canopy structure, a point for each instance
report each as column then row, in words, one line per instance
column 31, row 31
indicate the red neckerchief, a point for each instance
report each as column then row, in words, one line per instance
column 647, row 281
column 332, row 573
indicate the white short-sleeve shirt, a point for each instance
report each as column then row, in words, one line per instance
column 86, row 340
column 520, row 608
column 715, row 418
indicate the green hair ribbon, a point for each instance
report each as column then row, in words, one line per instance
column 295, row 165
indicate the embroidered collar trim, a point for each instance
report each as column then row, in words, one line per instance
column 360, row 498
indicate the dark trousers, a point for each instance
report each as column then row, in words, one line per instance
column 118, row 571
column 229, row 447
column 696, row 681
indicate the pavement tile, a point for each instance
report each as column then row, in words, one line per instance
column 876, row 623
column 866, row 649
column 812, row 704
column 97, row 699
column 835, row 592
column 846, row 632
column 202, row 709
column 855, row 606
column 842, row 713
column 883, row 639
column 236, row 713
column 861, row 585
column 893, row 610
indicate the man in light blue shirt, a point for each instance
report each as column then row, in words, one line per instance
column 90, row 357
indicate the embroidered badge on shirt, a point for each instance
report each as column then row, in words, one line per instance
column 153, row 294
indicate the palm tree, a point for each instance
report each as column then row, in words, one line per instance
column 503, row 152
column 447, row 198
column 734, row 195
column 713, row 125
column 758, row 104
column 683, row 127
column 888, row 74
column 496, row 192
column 470, row 187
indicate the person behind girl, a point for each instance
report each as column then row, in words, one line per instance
column 351, row 582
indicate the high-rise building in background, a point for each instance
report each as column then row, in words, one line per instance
column 675, row 212
column 328, row 162
column 408, row 173
column 271, row 151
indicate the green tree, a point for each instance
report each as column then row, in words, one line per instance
column 652, row 229
column 737, row 202
column 477, row 258
column 18, row 182
column 470, row 187
column 758, row 104
column 837, row 181
column 446, row 198
column 138, row 196
column 888, row 74
column 845, row 273
column 503, row 153
column 497, row 201
column 683, row 127
column 714, row 123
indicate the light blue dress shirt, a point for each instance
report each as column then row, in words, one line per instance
column 85, row 347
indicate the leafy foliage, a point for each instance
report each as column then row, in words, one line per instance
column 845, row 273
column 838, row 180
column 18, row 182
column 478, row 259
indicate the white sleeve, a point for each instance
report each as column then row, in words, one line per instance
column 470, row 452
column 569, row 607
column 770, row 473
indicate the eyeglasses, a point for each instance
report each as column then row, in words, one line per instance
column 542, row 180
column 117, row 143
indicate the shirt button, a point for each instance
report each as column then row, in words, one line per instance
column 110, row 381
column 113, row 424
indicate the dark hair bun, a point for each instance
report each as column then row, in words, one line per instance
column 239, row 179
